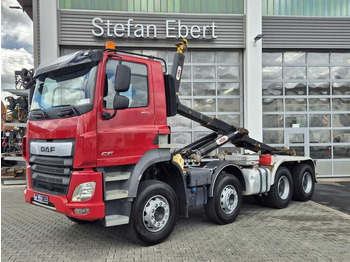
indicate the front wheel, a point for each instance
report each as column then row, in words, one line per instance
column 281, row 191
column 154, row 212
column 224, row 206
column 304, row 182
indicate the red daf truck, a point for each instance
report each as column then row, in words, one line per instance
column 98, row 148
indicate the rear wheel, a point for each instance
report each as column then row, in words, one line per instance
column 154, row 212
column 224, row 206
column 281, row 191
column 304, row 182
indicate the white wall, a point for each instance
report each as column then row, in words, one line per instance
column 252, row 70
column 48, row 30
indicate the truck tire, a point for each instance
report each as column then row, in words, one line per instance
column 281, row 191
column 80, row 221
column 154, row 212
column 224, row 206
column 304, row 182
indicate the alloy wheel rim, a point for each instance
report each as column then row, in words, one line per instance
column 156, row 213
column 228, row 199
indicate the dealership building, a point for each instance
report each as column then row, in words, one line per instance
column 280, row 68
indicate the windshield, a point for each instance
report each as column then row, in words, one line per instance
column 71, row 87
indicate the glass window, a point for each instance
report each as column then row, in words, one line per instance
column 299, row 150
column 340, row 58
column 340, row 72
column 59, row 89
column 296, row 120
column 272, row 72
column 186, row 73
column 296, row 138
column 272, row 121
column 294, row 57
column 180, row 122
column 295, row 104
column 271, row 58
column 204, row 72
column 183, row 138
column 320, row 136
column 319, row 104
column 294, row 73
column 321, row 120
column 204, row 105
column 204, row 89
column 273, row 136
column 227, row 57
column 295, row 89
column 320, row 152
column 341, row 151
column 228, row 72
column 341, row 120
column 341, row 104
column 203, row 57
column 314, row 58
column 318, row 72
column 231, row 119
column 321, row 88
column 272, row 104
column 185, row 89
column 341, row 88
column 199, row 135
column 228, row 89
column 341, row 136
column 228, row 105
column 272, row 89
column 138, row 90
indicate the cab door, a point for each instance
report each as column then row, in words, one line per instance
column 125, row 138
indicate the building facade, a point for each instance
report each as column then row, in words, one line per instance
column 289, row 88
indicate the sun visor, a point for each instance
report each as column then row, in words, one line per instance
column 80, row 57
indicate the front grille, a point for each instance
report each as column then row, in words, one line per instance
column 51, row 174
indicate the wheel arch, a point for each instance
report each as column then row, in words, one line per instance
column 228, row 167
column 169, row 173
column 291, row 164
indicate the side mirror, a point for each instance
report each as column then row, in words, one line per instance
column 122, row 78
column 120, row 102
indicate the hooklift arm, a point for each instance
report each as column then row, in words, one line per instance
column 223, row 132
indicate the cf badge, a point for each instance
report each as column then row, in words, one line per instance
column 107, row 153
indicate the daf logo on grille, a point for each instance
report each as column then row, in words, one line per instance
column 47, row 149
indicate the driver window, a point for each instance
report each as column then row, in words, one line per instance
column 138, row 91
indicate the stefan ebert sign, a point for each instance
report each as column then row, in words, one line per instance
column 173, row 29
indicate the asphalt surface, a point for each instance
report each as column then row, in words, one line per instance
column 304, row 231
column 333, row 194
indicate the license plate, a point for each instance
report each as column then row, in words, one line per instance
column 41, row 198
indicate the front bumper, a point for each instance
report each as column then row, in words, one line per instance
column 64, row 205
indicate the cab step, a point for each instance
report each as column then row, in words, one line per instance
column 117, row 176
column 116, row 194
column 116, row 220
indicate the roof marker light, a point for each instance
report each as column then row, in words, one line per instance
column 110, row 45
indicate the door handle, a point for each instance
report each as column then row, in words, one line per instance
column 144, row 112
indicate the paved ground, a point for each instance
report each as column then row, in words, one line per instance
column 302, row 232
column 333, row 193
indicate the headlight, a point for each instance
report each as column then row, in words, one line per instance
column 84, row 191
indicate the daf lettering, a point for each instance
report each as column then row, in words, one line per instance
column 47, row 149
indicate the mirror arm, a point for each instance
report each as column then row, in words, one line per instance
column 107, row 115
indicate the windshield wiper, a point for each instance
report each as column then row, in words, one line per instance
column 42, row 112
column 64, row 112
